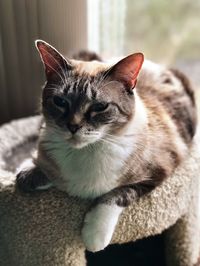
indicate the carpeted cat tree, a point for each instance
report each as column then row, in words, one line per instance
column 43, row 228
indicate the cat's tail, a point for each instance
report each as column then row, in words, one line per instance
column 188, row 87
column 191, row 119
column 85, row 55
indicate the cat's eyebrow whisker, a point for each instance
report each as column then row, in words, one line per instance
column 104, row 76
column 112, row 81
column 51, row 86
column 98, row 81
column 56, row 61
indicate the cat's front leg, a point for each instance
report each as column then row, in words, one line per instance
column 32, row 179
column 99, row 225
column 101, row 220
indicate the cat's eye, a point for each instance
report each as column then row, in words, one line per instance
column 99, row 107
column 59, row 101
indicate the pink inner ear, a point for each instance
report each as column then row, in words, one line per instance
column 49, row 57
column 127, row 70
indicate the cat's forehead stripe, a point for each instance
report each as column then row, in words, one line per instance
column 85, row 84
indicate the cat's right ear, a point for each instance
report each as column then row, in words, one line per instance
column 55, row 64
column 126, row 70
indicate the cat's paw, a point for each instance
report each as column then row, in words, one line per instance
column 99, row 225
column 31, row 180
column 24, row 181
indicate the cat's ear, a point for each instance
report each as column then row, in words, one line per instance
column 54, row 63
column 127, row 70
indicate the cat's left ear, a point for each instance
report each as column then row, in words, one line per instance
column 127, row 70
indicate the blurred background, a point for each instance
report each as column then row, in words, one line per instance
column 165, row 31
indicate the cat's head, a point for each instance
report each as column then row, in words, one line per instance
column 86, row 102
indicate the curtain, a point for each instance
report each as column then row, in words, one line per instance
column 62, row 23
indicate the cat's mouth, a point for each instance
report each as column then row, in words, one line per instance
column 74, row 140
column 77, row 141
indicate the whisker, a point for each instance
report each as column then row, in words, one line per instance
column 139, row 146
column 107, row 141
column 112, row 141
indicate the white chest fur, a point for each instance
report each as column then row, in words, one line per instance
column 91, row 171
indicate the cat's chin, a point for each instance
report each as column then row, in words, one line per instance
column 77, row 144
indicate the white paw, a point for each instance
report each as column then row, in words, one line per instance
column 99, row 225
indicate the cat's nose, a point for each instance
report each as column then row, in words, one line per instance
column 73, row 128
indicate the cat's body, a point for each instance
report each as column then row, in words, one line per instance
column 131, row 148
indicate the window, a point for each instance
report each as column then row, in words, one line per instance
column 165, row 31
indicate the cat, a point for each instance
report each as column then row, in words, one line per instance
column 111, row 133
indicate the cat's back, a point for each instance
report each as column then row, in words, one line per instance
column 168, row 93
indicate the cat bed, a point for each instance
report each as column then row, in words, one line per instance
column 43, row 228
